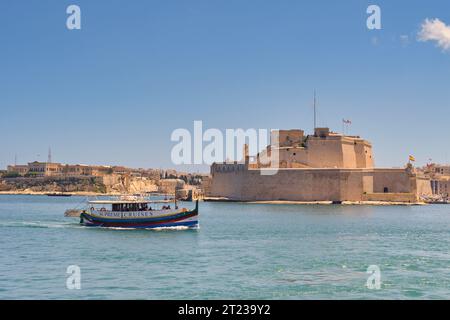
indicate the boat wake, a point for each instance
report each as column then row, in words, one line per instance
column 115, row 228
column 172, row 228
column 38, row 224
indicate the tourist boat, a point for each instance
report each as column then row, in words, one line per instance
column 137, row 212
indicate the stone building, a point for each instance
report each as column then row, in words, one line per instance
column 170, row 186
column 443, row 170
column 36, row 168
column 441, row 187
column 44, row 168
column 19, row 169
column 325, row 166
column 77, row 170
column 440, row 179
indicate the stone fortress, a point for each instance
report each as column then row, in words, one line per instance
column 324, row 166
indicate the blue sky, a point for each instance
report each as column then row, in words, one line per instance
column 113, row 92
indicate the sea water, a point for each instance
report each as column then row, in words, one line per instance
column 240, row 251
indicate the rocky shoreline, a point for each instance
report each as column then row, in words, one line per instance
column 42, row 193
column 373, row 203
column 111, row 185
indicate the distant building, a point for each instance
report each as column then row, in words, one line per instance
column 77, row 170
column 170, row 185
column 121, row 170
column 441, row 187
column 442, row 170
column 44, row 169
column 19, row 169
column 440, row 179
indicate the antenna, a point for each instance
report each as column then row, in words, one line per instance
column 49, row 158
column 315, row 111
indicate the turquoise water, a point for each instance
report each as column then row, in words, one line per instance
column 241, row 251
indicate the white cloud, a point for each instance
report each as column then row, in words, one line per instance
column 435, row 30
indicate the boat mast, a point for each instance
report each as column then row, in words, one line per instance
column 175, row 198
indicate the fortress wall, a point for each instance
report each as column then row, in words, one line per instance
column 423, row 186
column 325, row 153
column 395, row 180
column 363, row 154
column 368, row 183
column 354, row 183
column 227, row 180
column 359, row 155
column 237, row 183
column 300, row 185
column 349, row 155
column 368, row 153
column 291, row 185
column 390, row 197
column 293, row 155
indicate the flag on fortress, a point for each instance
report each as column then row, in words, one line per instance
column 411, row 158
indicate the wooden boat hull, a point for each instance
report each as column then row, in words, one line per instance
column 178, row 219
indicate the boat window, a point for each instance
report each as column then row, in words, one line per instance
column 130, row 207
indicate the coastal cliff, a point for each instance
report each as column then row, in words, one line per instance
column 111, row 184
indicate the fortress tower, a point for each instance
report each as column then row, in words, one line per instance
column 323, row 149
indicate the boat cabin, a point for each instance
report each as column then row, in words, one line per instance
column 132, row 205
